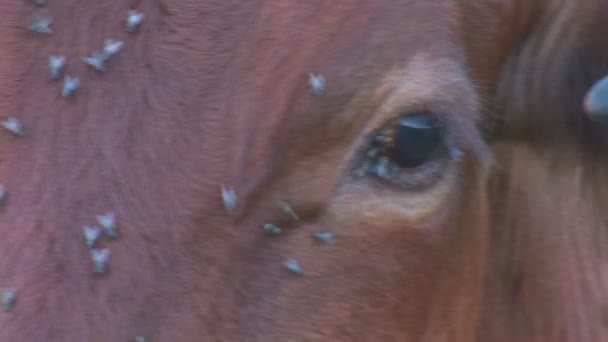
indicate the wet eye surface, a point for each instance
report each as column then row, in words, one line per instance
column 417, row 138
column 412, row 151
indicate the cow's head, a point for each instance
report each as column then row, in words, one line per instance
column 308, row 171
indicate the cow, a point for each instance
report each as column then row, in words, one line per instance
column 373, row 170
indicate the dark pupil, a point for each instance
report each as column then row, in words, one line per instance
column 417, row 139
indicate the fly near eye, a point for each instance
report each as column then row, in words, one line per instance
column 417, row 138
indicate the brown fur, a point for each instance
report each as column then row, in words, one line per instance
column 508, row 246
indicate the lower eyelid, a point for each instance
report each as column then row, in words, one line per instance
column 422, row 177
column 429, row 173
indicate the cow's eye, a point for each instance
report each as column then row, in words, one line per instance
column 417, row 139
column 411, row 150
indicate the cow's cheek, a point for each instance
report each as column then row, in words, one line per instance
column 402, row 266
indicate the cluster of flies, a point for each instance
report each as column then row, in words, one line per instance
column 316, row 83
column 98, row 60
column 100, row 257
column 107, row 222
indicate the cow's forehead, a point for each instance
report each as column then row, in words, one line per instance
column 358, row 39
